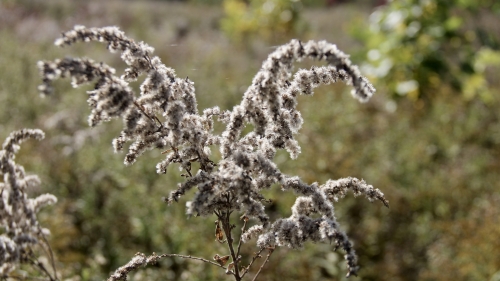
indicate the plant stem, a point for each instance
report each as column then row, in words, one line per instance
column 255, row 257
column 271, row 250
column 41, row 267
column 245, row 220
column 51, row 254
column 226, row 226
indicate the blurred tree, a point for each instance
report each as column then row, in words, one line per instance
column 420, row 48
column 265, row 19
column 433, row 145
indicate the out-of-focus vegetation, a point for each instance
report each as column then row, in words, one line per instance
column 438, row 152
column 435, row 155
column 263, row 19
column 419, row 48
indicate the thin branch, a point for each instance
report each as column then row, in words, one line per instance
column 245, row 219
column 51, row 254
column 154, row 120
column 226, row 225
column 191, row 257
column 218, row 214
column 149, row 60
column 271, row 250
column 41, row 267
column 254, row 258
column 140, row 260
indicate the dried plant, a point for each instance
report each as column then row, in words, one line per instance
column 20, row 230
column 234, row 185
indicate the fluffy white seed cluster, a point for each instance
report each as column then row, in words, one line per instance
column 18, row 223
column 136, row 262
column 337, row 189
column 247, row 167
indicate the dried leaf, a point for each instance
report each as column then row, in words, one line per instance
column 221, row 260
column 219, row 234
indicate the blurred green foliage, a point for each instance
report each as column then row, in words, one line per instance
column 307, row 3
column 263, row 19
column 438, row 165
column 421, row 48
column 435, row 152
